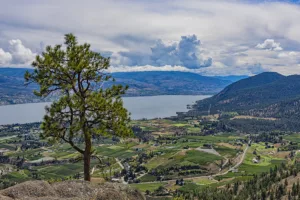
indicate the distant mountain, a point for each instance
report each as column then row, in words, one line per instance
column 169, row 82
column 268, row 94
column 12, row 89
column 231, row 78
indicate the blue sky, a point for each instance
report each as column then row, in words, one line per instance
column 210, row 37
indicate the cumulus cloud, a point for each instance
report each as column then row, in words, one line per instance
column 233, row 31
column 5, row 57
column 270, row 44
column 163, row 54
column 186, row 53
column 20, row 54
column 189, row 53
column 17, row 54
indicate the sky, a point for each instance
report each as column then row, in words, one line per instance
column 209, row 37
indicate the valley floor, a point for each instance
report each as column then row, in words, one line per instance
column 166, row 156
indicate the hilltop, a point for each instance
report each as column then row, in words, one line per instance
column 268, row 95
column 79, row 190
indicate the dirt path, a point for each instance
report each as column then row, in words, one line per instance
column 236, row 165
column 225, row 163
column 141, row 176
column 118, row 161
column 211, row 151
column 92, row 172
column 121, row 165
column 220, row 173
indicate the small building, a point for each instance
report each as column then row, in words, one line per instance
column 139, row 149
column 116, row 180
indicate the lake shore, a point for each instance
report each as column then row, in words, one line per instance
column 140, row 107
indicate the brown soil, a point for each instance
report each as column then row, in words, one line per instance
column 252, row 117
column 69, row 190
column 213, row 168
column 282, row 154
column 277, row 145
column 229, row 145
column 182, row 153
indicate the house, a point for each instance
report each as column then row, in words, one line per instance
column 180, row 182
column 254, row 160
column 117, row 180
column 209, row 146
column 235, row 170
column 126, row 166
column 139, row 149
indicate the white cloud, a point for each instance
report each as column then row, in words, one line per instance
column 148, row 68
column 186, row 53
column 229, row 30
column 17, row 55
column 288, row 54
column 5, row 57
column 219, row 68
column 270, row 44
column 20, row 54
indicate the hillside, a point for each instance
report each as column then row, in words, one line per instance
column 169, row 82
column 13, row 91
column 268, row 94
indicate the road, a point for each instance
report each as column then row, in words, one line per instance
column 237, row 164
column 225, row 163
column 141, row 176
column 118, row 161
column 220, row 173
column 243, row 156
column 121, row 165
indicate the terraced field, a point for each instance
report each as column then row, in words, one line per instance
column 176, row 150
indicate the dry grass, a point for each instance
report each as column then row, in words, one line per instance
column 229, row 145
column 277, row 145
column 97, row 180
column 69, row 190
column 182, row 152
column 282, row 154
column 252, row 117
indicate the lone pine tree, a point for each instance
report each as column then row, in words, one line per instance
column 85, row 109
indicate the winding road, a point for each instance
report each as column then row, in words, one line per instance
column 237, row 164
column 220, row 173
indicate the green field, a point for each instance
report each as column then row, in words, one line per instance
column 294, row 137
column 148, row 186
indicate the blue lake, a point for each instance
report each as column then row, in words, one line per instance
column 140, row 107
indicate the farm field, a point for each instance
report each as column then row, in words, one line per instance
column 164, row 155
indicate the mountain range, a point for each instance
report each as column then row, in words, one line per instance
column 268, row 94
column 169, row 83
column 13, row 91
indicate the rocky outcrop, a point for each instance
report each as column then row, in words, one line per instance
column 69, row 190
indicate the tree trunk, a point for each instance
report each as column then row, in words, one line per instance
column 87, row 166
column 87, row 157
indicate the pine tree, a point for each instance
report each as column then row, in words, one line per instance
column 272, row 195
column 85, row 109
column 294, row 190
